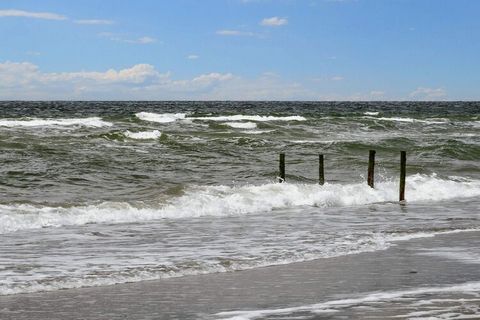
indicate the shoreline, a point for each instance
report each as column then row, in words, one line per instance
column 399, row 267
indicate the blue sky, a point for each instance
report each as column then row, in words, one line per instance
column 240, row 50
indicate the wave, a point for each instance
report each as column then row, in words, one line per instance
column 241, row 125
column 374, row 300
column 160, row 117
column 342, row 245
column 241, row 200
column 239, row 117
column 312, row 141
column 370, row 113
column 143, row 135
column 470, row 255
column 475, row 124
column 259, row 131
column 412, row 120
column 86, row 122
column 172, row 117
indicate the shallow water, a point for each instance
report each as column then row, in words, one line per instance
column 99, row 193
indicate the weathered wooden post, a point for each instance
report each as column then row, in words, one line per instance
column 403, row 172
column 321, row 172
column 282, row 168
column 371, row 168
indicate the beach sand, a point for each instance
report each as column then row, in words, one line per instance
column 368, row 285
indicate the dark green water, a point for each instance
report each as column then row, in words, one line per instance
column 99, row 193
column 66, row 164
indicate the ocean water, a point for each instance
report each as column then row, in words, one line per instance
column 102, row 193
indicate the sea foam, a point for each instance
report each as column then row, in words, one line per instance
column 375, row 298
column 413, row 120
column 239, row 200
column 86, row 122
column 86, row 277
column 172, row 117
column 160, row 117
column 143, row 135
column 239, row 117
column 241, row 125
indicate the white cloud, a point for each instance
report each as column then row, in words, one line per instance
column 274, row 22
column 25, row 80
column 423, row 93
column 30, row 14
column 94, row 22
column 121, row 38
column 14, row 73
column 192, row 57
column 142, row 81
column 325, row 78
column 145, row 40
column 212, row 77
column 235, row 33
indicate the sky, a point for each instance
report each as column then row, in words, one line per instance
column 240, row 50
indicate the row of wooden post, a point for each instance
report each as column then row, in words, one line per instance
column 371, row 170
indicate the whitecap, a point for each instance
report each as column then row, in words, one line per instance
column 143, row 135
column 239, row 117
column 160, row 117
column 412, row 120
column 241, row 125
column 34, row 122
column 259, row 131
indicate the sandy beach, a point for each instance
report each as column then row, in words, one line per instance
column 366, row 285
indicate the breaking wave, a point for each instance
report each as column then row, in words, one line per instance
column 172, row 117
column 239, row 117
column 241, row 125
column 242, row 200
column 86, row 122
column 160, row 117
column 412, row 120
column 143, row 135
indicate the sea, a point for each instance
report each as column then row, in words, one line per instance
column 99, row 194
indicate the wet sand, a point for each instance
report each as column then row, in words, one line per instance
column 201, row 297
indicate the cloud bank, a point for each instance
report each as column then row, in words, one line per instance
column 26, row 81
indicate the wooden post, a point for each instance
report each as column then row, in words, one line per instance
column 282, row 168
column 371, row 168
column 403, row 172
column 321, row 172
